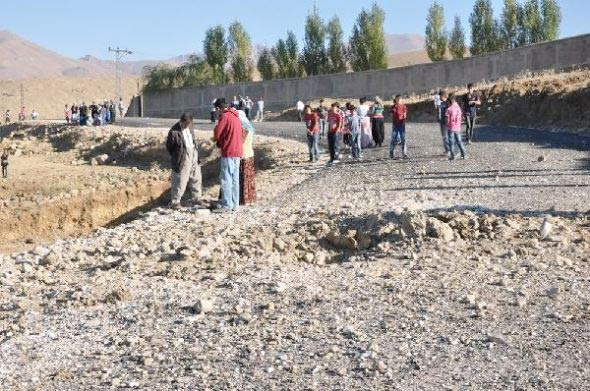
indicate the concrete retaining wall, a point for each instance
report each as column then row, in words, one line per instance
column 282, row 94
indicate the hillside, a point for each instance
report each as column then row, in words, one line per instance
column 402, row 43
column 408, row 58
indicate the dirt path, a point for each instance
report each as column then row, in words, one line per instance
column 418, row 274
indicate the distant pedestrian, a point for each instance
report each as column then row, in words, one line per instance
column 354, row 126
column 248, row 163
column 323, row 117
column 121, row 107
column 83, row 114
column 34, row 115
column 4, row 163
column 260, row 110
column 300, row 107
column 228, row 136
column 453, row 114
column 399, row 114
column 67, row 114
column 22, row 115
column 113, row 112
column 248, row 104
column 335, row 122
column 366, row 132
column 378, row 122
column 442, row 119
column 74, row 110
column 213, row 112
column 313, row 131
column 186, row 169
column 471, row 102
column 7, row 117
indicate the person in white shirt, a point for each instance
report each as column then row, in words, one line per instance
column 248, row 108
column 300, row 107
column 34, row 115
column 186, row 170
column 260, row 111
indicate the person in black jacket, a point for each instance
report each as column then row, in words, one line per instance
column 186, row 169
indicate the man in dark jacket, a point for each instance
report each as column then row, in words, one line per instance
column 185, row 162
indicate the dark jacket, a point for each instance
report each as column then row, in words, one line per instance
column 176, row 147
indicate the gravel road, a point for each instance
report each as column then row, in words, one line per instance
column 373, row 275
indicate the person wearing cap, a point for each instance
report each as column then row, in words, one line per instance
column 228, row 137
column 186, row 169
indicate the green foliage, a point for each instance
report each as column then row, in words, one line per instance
column 484, row 29
column 216, row 52
column 194, row 73
column 240, row 49
column 436, row 36
column 266, row 65
column 457, row 45
column 315, row 58
column 551, row 13
column 367, row 49
column 336, row 48
column 509, row 25
column 534, row 21
column 286, row 56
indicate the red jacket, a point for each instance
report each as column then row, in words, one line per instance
column 311, row 121
column 399, row 114
column 228, row 134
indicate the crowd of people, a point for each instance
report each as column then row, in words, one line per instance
column 95, row 114
column 234, row 136
column 358, row 128
column 244, row 104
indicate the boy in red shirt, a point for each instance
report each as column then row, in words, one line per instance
column 399, row 113
column 313, row 131
column 335, row 122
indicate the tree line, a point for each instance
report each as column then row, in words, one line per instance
column 520, row 24
column 228, row 54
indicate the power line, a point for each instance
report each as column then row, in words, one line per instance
column 119, row 54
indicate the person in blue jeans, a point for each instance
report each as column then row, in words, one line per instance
column 228, row 135
column 354, row 124
column 453, row 115
column 399, row 113
column 313, row 130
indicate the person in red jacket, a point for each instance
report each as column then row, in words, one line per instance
column 228, row 136
column 312, row 123
column 335, row 123
column 399, row 113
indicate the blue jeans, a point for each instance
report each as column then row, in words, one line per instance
column 312, row 144
column 444, row 134
column 399, row 132
column 323, row 126
column 356, row 145
column 230, row 182
column 455, row 137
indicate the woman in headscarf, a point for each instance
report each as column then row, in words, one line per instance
column 366, row 134
column 247, row 164
column 377, row 122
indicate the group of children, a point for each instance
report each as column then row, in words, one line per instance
column 362, row 127
column 22, row 115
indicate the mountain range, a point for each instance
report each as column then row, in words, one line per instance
column 22, row 59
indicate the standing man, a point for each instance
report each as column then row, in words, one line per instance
column 471, row 101
column 248, row 108
column 185, row 162
column 399, row 112
column 260, row 112
column 323, row 116
column 300, row 108
column 228, row 136
column 121, row 107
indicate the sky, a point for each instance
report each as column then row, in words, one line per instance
column 156, row 29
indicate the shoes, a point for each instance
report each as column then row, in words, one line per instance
column 406, row 157
column 451, row 158
column 463, row 157
column 175, row 206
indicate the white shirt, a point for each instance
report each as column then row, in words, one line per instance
column 437, row 101
column 300, row 106
column 188, row 139
column 363, row 110
column 260, row 105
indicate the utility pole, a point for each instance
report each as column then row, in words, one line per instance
column 22, row 95
column 119, row 54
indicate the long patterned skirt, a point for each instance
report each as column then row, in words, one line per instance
column 366, row 134
column 247, row 181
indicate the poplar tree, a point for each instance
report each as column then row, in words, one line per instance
column 534, row 21
column 509, row 25
column 286, row 56
column 240, row 48
column 336, row 48
column 266, row 65
column 551, row 13
column 367, row 48
column 436, row 36
column 216, row 52
column 457, row 45
column 484, row 35
column 315, row 58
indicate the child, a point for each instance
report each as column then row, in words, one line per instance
column 442, row 119
column 4, row 163
column 313, row 131
column 346, row 135
column 334, row 130
column 454, row 116
column 354, row 125
column 399, row 113
column 7, row 117
column 67, row 114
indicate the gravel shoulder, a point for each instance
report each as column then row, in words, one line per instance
column 380, row 274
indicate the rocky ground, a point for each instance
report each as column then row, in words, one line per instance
column 380, row 274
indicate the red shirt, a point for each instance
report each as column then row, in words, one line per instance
column 228, row 134
column 311, row 121
column 334, row 122
column 399, row 114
